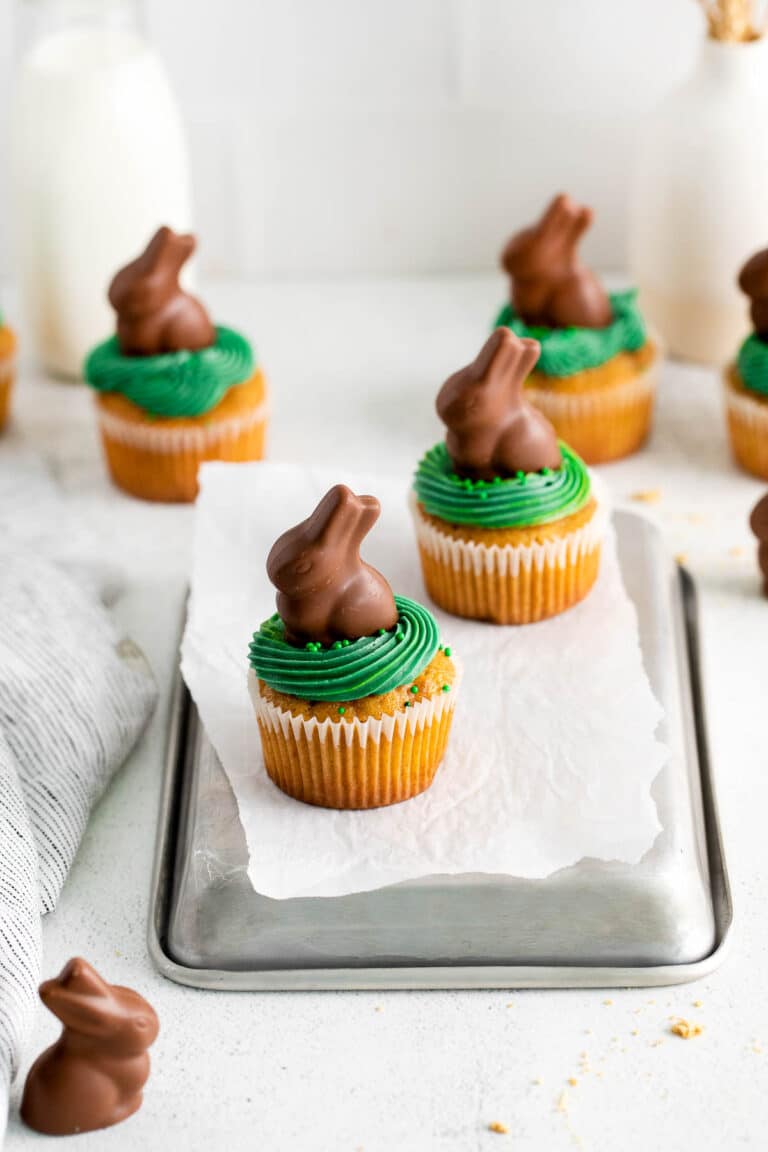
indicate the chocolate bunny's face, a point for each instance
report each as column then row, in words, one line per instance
column 88, row 1006
column 151, row 280
column 310, row 557
column 547, row 250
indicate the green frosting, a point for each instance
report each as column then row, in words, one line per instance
column 347, row 670
column 175, row 383
column 752, row 363
column 565, row 351
column 520, row 502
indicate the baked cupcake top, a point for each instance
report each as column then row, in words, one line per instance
column 166, row 356
column 562, row 304
column 752, row 358
column 339, row 633
column 501, row 465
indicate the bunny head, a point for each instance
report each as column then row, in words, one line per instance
column 547, row 249
column 753, row 281
column 325, row 591
column 154, row 313
column 117, row 1019
column 549, row 286
column 493, row 430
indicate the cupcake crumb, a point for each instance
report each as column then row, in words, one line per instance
column 681, row 557
column 499, row 1128
column 572, row 1081
column 685, row 1029
column 647, row 496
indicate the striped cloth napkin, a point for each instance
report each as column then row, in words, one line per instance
column 74, row 698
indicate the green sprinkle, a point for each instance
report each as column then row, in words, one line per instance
column 342, row 711
column 546, row 471
column 345, row 643
column 337, row 644
column 382, row 631
column 415, row 689
column 399, row 636
column 520, row 476
column 446, row 687
column 447, row 650
column 483, row 495
column 497, row 479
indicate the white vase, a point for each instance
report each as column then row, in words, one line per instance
column 699, row 202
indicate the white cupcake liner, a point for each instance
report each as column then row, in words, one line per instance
column 196, row 438
column 747, row 409
column 299, row 728
column 507, row 559
column 616, row 398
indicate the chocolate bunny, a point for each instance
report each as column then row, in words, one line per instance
column 325, row 591
column 492, row 428
column 93, row 1075
column 753, row 281
column 758, row 522
column 549, row 285
column 154, row 314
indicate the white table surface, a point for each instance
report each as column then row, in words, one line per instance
column 354, row 370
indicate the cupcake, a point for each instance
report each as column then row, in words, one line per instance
column 596, row 376
column 746, row 380
column 352, row 690
column 172, row 389
column 7, row 369
column 507, row 524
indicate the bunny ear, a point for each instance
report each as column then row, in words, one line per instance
column 531, row 350
column 581, row 222
column 369, row 514
column 556, row 211
column 333, row 516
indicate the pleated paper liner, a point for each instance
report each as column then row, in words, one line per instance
column 602, row 422
column 7, row 372
column 354, row 763
column 517, row 576
column 747, row 417
column 158, row 459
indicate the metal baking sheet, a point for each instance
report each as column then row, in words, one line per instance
column 665, row 920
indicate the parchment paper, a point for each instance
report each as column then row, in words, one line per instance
column 552, row 751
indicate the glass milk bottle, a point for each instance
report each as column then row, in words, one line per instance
column 99, row 164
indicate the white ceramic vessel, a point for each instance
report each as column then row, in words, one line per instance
column 699, row 204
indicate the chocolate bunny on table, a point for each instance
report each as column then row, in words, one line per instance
column 93, row 1076
column 492, row 428
column 753, row 281
column 154, row 313
column 549, row 286
column 325, row 591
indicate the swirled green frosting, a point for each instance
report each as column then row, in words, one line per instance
column 752, row 363
column 175, row 383
column 565, row 351
column 370, row 666
column 523, row 501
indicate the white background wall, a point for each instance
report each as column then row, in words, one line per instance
column 351, row 136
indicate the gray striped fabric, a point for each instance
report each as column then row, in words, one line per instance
column 74, row 699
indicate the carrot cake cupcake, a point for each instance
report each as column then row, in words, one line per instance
column 7, row 369
column 172, row 389
column 353, row 693
column 746, row 380
column 596, row 377
column 507, row 524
